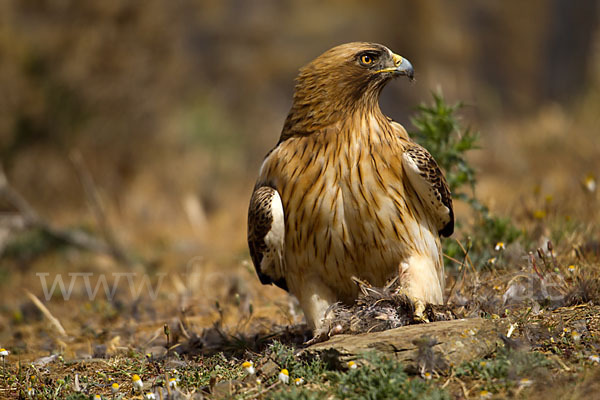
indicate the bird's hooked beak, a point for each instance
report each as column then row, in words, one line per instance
column 401, row 67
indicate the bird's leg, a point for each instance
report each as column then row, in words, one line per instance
column 420, row 282
column 316, row 300
column 418, row 304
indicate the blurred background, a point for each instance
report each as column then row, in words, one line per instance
column 173, row 104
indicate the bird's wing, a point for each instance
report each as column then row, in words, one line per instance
column 429, row 183
column 266, row 235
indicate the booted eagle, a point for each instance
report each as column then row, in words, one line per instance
column 346, row 193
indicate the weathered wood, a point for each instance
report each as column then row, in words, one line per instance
column 457, row 341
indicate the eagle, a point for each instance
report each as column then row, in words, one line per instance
column 345, row 193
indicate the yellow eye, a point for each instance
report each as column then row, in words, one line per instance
column 366, row 60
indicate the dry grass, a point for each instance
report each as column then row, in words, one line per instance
column 218, row 315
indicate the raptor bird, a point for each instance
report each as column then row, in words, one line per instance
column 346, row 193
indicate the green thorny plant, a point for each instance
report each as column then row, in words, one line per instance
column 438, row 129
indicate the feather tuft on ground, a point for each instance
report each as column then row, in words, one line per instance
column 380, row 309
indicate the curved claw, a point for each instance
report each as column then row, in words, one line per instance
column 419, row 311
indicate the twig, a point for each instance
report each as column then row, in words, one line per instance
column 93, row 198
column 265, row 390
column 451, row 258
column 466, row 252
column 168, row 386
column 463, row 387
column 31, row 219
column 30, row 216
column 182, row 329
column 462, row 267
column 552, row 255
column 535, row 268
column 560, row 362
column 53, row 320
column 540, row 253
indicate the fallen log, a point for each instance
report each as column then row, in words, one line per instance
column 452, row 342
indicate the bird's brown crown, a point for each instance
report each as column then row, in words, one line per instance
column 341, row 81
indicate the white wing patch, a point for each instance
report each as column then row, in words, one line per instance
column 266, row 235
column 272, row 262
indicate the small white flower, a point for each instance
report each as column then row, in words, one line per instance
column 594, row 358
column 499, row 246
column 525, row 382
column 3, row 352
column 137, row 382
column 576, row 336
column 427, row 376
column 589, row 182
column 249, row 367
column 484, row 394
column 173, row 382
column 511, row 330
column 150, row 396
column 30, row 392
column 284, row 376
column 114, row 387
column 97, row 397
column 571, row 268
column 299, row 381
column 352, row 365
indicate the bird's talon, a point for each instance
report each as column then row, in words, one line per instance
column 419, row 315
column 319, row 337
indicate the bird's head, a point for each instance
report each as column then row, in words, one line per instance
column 346, row 77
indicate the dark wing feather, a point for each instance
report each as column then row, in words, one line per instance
column 266, row 231
column 430, row 185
